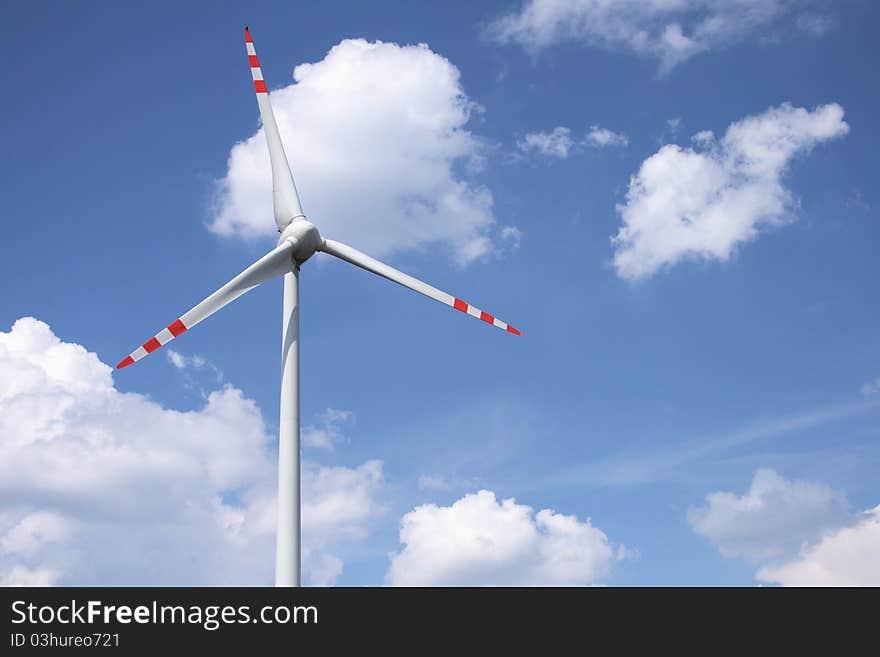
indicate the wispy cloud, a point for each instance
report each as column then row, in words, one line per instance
column 599, row 137
column 670, row 32
column 561, row 143
column 556, row 143
column 638, row 465
column 871, row 388
column 328, row 431
column 441, row 482
column 194, row 362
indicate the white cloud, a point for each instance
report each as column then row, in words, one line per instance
column 640, row 465
column 560, row 143
column 702, row 202
column 670, row 31
column 441, row 482
column 33, row 532
column 103, row 487
column 704, row 138
column 798, row 533
column 599, row 137
column 328, row 431
column 176, row 359
column 187, row 364
column 481, row 541
column 814, row 24
column 21, row 576
column 511, row 237
column 871, row 388
column 847, row 557
column 433, row 482
column 376, row 135
column 556, row 143
column 340, row 504
column 325, row 570
column 341, row 501
column 772, row 520
column 182, row 362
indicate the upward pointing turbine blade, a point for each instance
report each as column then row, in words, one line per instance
column 362, row 260
column 276, row 262
column 286, row 200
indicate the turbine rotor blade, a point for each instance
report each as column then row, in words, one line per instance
column 362, row 260
column 284, row 196
column 276, row 262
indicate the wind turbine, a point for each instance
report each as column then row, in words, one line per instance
column 299, row 241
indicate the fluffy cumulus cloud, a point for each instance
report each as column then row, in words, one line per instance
column 703, row 201
column 560, row 143
column 847, row 557
column 103, row 487
column 773, row 519
column 481, row 541
column 795, row 532
column 377, row 137
column 670, row 31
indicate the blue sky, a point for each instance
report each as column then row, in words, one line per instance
column 628, row 400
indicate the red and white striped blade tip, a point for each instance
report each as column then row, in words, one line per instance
column 163, row 337
column 468, row 309
column 256, row 71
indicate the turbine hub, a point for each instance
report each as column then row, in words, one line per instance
column 305, row 235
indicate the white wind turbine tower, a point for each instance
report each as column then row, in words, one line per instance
column 299, row 240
